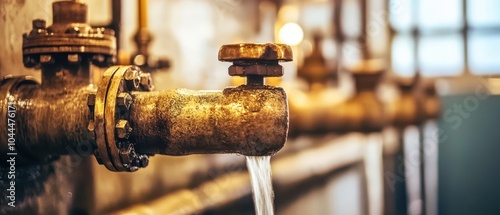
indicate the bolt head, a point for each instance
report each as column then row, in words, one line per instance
column 123, row 129
column 132, row 78
column 143, row 161
column 73, row 58
column 98, row 59
column 127, row 154
column 46, row 59
column 91, row 100
column 30, row 61
column 72, row 30
column 146, row 81
column 39, row 24
column 260, row 70
column 124, row 100
column 91, row 128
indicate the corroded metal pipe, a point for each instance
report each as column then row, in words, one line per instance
column 249, row 120
column 49, row 123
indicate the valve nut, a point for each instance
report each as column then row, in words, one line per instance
column 73, row 58
column 146, row 81
column 132, row 78
column 261, row 70
column 124, row 100
column 127, row 154
column 46, row 59
column 123, row 129
column 255, row 61
column 91, row 100
column 143, row 161
column 39, row 24
column 30, row 61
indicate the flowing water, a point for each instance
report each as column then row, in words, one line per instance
column 260, row 175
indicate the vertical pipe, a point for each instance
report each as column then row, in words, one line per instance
column 465, row 34
column 142, row 13
column 363, row 38
column 400, row 193
column 422, row 169
column 338, row 33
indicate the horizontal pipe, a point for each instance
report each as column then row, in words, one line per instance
column 49, row 123
column 249, row 120
column 317, row 113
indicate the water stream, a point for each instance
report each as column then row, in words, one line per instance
column 260, row 175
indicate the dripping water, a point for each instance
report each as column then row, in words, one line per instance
column 260, row 176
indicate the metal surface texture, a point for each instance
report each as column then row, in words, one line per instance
column 49, row 122
column 255, row 51
column 249, row 120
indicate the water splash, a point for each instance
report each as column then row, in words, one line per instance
column 260, row 175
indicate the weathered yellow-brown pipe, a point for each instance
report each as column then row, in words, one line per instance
column 247, row 120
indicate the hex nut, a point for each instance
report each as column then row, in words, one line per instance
column 132, row 78
column 98, row 59
column 124, row 100
column 73, row 58
column 30, row 61
column 46, row 59
column 91, row 100
column 39, row 24
column 126, row 154
column 143, row 161
column 146, row 81
column 261, row 70
column 72, row 30
column 123, row 129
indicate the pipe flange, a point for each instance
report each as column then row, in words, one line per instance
column 109, row 118
column 70, row 34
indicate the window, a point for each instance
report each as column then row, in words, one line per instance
column 446, row 37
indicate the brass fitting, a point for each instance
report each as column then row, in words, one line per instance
column 315, row 70
column 255, row 61
column 250, row 119
column 407, row 109
column 363, row 112
column 417, row 102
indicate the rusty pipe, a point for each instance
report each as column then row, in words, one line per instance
column 247, row 120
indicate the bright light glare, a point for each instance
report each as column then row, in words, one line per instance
column 291, row 34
